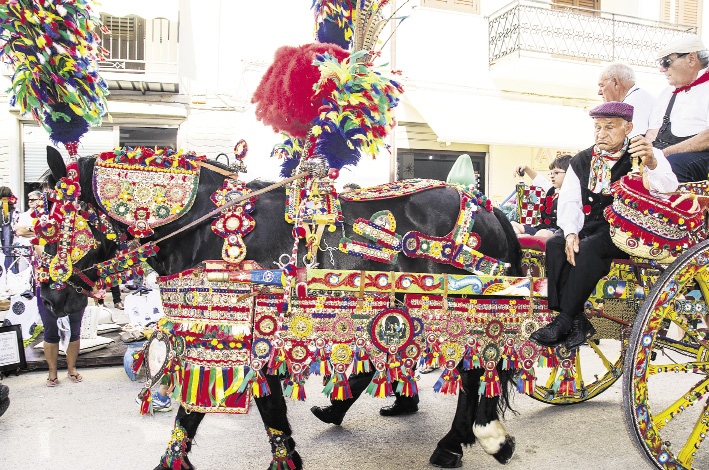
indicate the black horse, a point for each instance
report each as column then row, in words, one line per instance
column 432, row 212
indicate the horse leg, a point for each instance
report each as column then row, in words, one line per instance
column 491, row 434
column 449, row 451
column 273, row 410
column 186, row 424
column 335, row 413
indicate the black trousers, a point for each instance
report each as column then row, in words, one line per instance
column 570, row 286
column 358, row 384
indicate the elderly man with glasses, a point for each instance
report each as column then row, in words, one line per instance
column 25, row 223
column 679, row 126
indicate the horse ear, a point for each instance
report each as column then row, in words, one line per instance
column 56, row 163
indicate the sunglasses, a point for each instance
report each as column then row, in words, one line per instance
column 665, row 62
column 35, row 199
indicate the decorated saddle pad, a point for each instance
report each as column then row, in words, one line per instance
column 142, row 194
column 389, row 190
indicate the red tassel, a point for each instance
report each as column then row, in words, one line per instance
column 394, row 366
column 380, row 386
column 471, row 358
column 295, row 387
column 277, row 362
column 407, row 382
column 526, row 382
column 509, row 356
column 448, row 383
column 138, row 360
column 361, row 361
column 490, row 383
column 260, row 386
column 547, row 358
column 341, row 387
column 146, row 402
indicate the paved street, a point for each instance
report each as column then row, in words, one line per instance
column 95, row 425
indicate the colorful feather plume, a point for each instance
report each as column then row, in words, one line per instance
column 358, row 113
column 334, row 21
column 53, row 50
column 290, row 152
column 284, row 98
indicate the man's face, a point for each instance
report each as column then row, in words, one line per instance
column 608, row 88
column 610, row 132
column 32, row 201
column 679, row 69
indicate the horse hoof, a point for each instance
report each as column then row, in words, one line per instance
column 504, row 455
column 443, row 458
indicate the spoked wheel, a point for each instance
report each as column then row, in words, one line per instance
column 593, row 367
column 666, row 383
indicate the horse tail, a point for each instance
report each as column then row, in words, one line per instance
column 514, row 249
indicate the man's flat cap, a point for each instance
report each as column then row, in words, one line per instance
column 613, row 109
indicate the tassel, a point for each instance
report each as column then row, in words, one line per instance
column 490, row 383
column 471, row 360
column 277, row 362
column 448, row 382
column 319, row 365
column 547, row 358
column 146, row 402
column 510, row 361
column 565, row 383
column 394, row 366
column 380, row 386
column 295, row 387
column 526, row 381
column 407, row 382
column 338, row 388
column 432, row 355
column 138, row 360
column 361, row 361
column 255, row 378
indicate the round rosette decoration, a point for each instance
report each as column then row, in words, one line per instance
column 392, row 330
column 233, row 224
column 68, row 190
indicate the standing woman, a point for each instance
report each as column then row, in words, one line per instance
column 9, row 214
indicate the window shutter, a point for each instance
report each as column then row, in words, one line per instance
column 467, row 6
column 686, row 12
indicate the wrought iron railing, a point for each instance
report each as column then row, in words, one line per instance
column 138, row 45
column 540, row 27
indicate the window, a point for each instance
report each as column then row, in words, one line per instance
column 467, row 6
column 125, row 43
column 148, row 137
column 685, row 12
column 436, row 164
column 574, row 5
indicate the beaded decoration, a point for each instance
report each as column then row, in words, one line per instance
column 176, row 448
column 281, row 449
column 390, row 190
column 380, row 229
column 234, row 224
column 368, row 250
column 145, row 189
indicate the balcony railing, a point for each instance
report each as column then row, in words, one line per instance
column 138, row 45
column 540, row 27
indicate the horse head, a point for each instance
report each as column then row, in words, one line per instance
column 75, row 236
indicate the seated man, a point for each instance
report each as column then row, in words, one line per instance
column 580, row 253
column 679, row 124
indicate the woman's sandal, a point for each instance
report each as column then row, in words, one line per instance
column 76, row 378
column 52, row 382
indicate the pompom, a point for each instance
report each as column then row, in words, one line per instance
column 335, row 148
column 284, row 98
column 64, row 124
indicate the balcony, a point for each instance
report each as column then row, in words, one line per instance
column 142, row 53
column 530, row 27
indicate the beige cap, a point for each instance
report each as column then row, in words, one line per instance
column 691, row 43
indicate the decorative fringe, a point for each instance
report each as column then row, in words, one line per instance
column 526, row 381
column 431, row 357
column 471, row 360
column 547, row 358
column 361, row 361
column 295, row 387
column 277, row 362
column 490, row 384
column 448, row 383
column 380, row 386
column 565, row 382
column 338, row 388
column 394, row 366
column 255, row 378
column 319, row 365
column 509, row 356
column 407, row 383
column 138, row 360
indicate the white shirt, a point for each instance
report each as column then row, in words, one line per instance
column 643, row 103
column 570, row 216
column 542, row 182
column 28, row 221
column 690, row 114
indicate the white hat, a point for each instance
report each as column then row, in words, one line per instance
column 685, row 44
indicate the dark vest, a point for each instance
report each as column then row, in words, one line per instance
column 593, row 203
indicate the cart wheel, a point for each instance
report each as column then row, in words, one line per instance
column 665, row 388
column 602, row 362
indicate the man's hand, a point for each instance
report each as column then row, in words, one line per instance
column 572, row 247
column 519, row 170
column 641, row 148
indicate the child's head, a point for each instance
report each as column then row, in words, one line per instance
column 558, row 169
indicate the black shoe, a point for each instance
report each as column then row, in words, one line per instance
column 551, row 335
column 4, row 398
column 396, row 409
column 581, row 330
column 327, row 414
